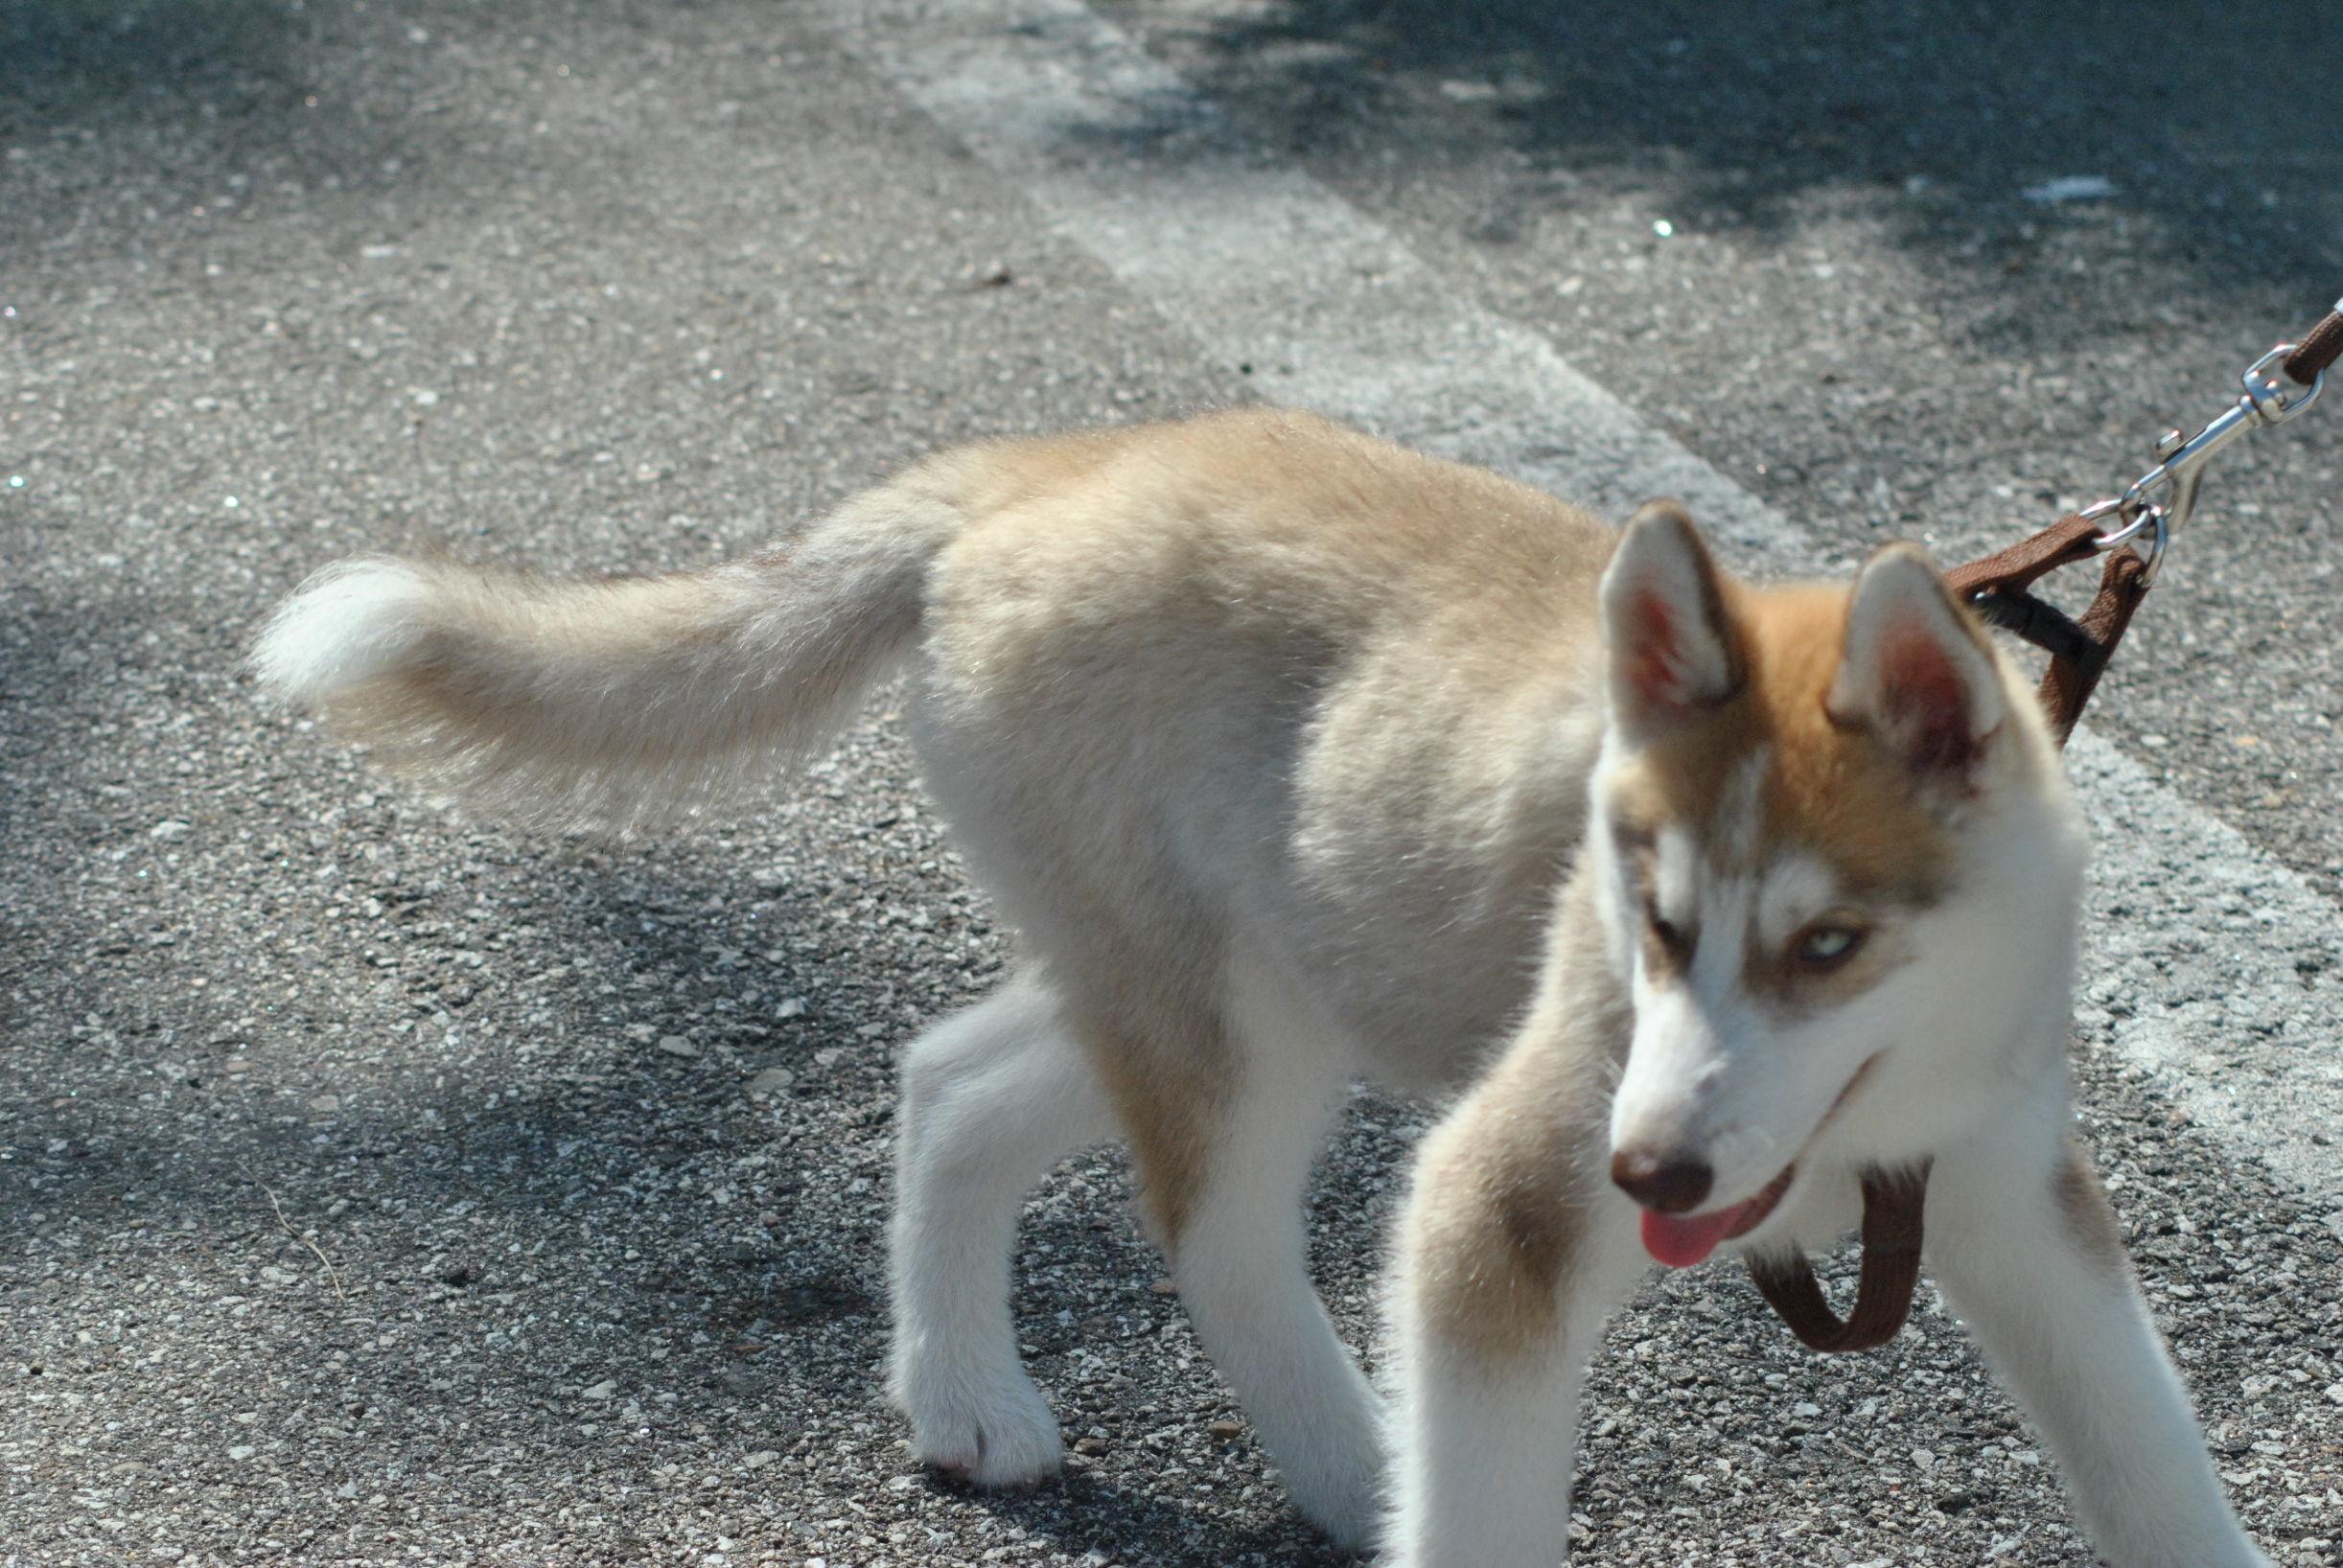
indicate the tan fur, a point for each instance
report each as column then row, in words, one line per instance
column 1826, row 787
column 1506, row 1188
column 2083, row 1211
column 1169, row 1072
column 603, row 703
column 1412, row 643
column 619, row 617
column 1404, row 634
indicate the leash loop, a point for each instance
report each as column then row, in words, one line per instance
column 1892, row 1205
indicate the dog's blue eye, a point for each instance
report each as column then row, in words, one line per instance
column 1826, row 947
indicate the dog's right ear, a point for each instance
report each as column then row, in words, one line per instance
column 1672, row 648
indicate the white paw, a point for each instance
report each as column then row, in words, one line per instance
column 992, row 1431
column 1338, row 1483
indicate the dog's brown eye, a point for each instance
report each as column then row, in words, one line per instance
column 1825, row 945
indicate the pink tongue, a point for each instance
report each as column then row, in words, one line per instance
column 1682, row 1240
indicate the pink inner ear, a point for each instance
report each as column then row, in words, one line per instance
column 1922, row 691
column 1655, row 663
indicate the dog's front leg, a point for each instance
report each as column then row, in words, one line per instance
column 2025, row 1249
column 1511, row 1256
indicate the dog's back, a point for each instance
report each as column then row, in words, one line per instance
column 576, row 698
column 1239, row 667
column 1269, row 680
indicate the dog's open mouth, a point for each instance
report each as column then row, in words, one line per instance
column 1682, row 1240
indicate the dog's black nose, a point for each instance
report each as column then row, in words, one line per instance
column 1671, row 1185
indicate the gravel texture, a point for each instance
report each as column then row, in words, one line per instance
column 378, row 1187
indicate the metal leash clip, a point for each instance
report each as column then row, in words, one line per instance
column 2271, row 398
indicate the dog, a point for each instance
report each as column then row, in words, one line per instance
column 1295, row 757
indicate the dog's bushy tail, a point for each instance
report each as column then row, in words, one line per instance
column 602, row 702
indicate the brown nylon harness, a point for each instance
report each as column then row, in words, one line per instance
column 1999, row 588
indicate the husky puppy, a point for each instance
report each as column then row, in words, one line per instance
column 1295, row 757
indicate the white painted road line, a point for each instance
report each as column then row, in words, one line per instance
column 2207, row 962
column 1260, row 264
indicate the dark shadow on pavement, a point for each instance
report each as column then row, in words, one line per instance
column 125, row 118
column 1942, row 117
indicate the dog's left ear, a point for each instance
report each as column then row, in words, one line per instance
column 1916, row 671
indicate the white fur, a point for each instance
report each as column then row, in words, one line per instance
column 1963, row 1037
column 1676, row 880
column 1973, row 1076
column 1483, row 1455
column 992, row 1097
column 1715, row 1072
column 606, row 702
column 1796, row 888
column 1242, row 1263
column 2071, row 1338
column 349, row 624
column 1482, row 1466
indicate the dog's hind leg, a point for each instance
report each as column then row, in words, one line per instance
column 1226, row 1161
column 993, row 1097
column 2024, row 1246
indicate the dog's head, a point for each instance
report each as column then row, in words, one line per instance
column 1838, row 855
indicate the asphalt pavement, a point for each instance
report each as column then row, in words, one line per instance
column 379, row 1186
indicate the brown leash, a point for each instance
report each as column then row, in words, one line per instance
column 1892, row 1205
column 2316, row 354
column 2000, row 589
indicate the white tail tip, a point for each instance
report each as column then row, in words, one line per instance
column 352, row 623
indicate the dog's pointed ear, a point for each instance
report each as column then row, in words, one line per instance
column 1916, row 672
column 1673, row 648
